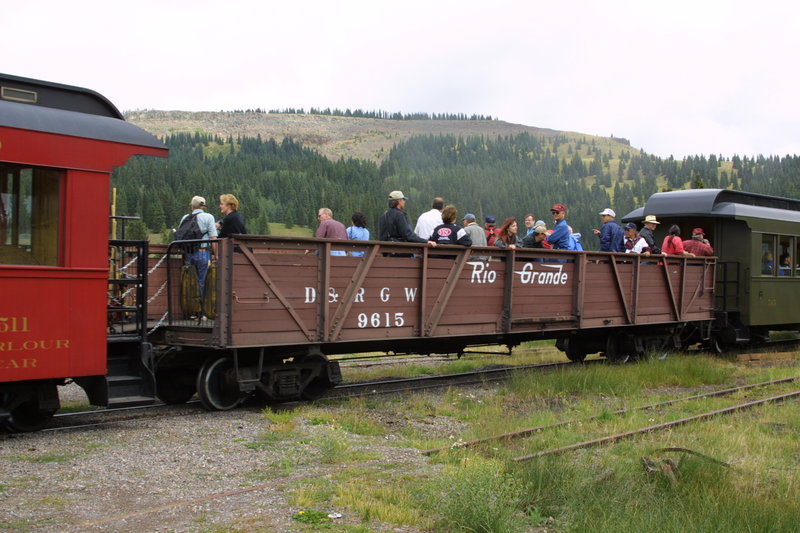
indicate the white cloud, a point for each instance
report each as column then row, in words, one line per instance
column 676, row 78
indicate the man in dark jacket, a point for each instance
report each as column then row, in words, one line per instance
column 650, row 224
column 612, row 238
column 393, row 225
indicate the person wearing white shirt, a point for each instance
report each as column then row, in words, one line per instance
column 428, row 220
column 635, row 243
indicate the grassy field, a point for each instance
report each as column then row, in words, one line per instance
column 732, row 473
column 632, row 485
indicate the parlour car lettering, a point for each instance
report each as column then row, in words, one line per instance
column 555, row 276
column 33, row 345
column 13, row 364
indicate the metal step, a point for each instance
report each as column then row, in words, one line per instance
column 130, row 401
column 124, row 386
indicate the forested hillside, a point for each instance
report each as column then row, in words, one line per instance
column 282, row 181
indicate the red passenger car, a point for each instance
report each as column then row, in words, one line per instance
column 58, row 146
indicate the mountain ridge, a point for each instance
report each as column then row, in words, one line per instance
column 332, row 135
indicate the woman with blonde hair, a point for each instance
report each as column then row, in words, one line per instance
column 232, row 223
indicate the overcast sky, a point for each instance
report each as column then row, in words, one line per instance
column 675, row 77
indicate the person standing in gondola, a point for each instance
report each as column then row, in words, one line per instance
column 232, row 223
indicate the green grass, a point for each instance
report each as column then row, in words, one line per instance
column 599, row 488
column 480, row 496
column 280, row 230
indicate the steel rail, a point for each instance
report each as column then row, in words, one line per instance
column 656, row 427
column 429, row 382
column 528, row 431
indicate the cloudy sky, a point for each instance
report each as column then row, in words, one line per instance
column 676, row 78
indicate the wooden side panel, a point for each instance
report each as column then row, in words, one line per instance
column 277, row 292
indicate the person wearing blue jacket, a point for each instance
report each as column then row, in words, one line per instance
column 559, row 239
column 612, row 236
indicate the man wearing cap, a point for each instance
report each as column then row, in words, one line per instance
column 612, row 238
column 537, row 239
column 698, row 245
column 428, row 220
column 202, row 257
column 634, row 243
column 474, row 230
column 650, row 224
column 489, row 230
column 393, row 224
column 559, row 239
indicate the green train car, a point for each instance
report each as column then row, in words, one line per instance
column 757, row 241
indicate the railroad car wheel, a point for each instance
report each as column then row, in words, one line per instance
column 29, row 417
column 714, row 345
column 574, row 349
column 172, row 389
column 217, row 386
column 316, row 386
column 618, row 347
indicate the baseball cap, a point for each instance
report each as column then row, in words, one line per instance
column 698, row 231
column 198, row 201
column 630, row 225
column 397, row 195
column 490, row 220
column 558, row 207
column 608, row 211
column 469, row 216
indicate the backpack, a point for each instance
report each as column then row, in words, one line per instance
column 189, row 230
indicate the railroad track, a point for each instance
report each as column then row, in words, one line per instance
column 101, row 417
column 475, row 377
column 619, row 436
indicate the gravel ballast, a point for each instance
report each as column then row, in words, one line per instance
column 189, row 471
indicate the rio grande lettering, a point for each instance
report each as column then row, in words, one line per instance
column 554, row 276
column 481, row 272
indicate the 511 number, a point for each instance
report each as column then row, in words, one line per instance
column 381, row 320
column 13, row 324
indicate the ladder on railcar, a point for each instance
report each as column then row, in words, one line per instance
column 130, row 378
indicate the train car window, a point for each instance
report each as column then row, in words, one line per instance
column 768, row 255
column 786, row 248
column 30, row 200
